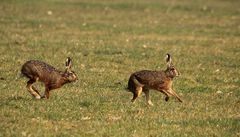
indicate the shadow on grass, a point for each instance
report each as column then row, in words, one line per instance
column 86, row 104
column 8, row 101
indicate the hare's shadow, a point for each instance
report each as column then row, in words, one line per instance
column 7, row 101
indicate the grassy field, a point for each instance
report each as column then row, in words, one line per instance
column 108, row 41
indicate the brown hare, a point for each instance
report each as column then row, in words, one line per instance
column 144, row 80
column 52, row 78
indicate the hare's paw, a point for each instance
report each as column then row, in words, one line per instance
column 37, row 97
column 150, row 103
column 166, row 99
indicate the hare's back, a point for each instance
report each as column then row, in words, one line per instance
column 36, row 68
column 148, row 77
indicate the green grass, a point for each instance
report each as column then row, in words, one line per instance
column 108, row 41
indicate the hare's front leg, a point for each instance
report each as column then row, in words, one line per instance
column 32, row 90
column 166, row 93
column 175, row 95
column 172, row 93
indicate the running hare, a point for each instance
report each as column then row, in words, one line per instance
column 157, row 80
column 52, row 78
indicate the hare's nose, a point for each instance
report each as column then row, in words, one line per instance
column 76, row 78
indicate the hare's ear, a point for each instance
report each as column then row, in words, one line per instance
column 168, row 60
column 68, row 64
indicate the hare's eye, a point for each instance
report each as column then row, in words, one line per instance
column 71, row 73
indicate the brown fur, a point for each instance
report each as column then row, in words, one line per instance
column 52, row 78
column 143, row 81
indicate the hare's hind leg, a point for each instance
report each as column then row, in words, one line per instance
column 135, row 86
column 33, row 90
column 136, row 93
column 146, row 91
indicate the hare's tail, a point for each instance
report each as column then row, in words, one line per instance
column 133, row 83
column 20, row 75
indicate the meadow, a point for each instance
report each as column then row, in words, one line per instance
column 107, row 41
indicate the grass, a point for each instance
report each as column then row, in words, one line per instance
column 108, row 41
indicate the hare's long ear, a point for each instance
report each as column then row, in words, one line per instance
column 168, row 60
column 68, row 64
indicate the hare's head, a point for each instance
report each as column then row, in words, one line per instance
column 69, row 75
column 171, row 71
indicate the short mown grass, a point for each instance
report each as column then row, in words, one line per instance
column 108, row 41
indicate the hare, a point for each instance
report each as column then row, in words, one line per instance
column 157, row 80
column 52, row 78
